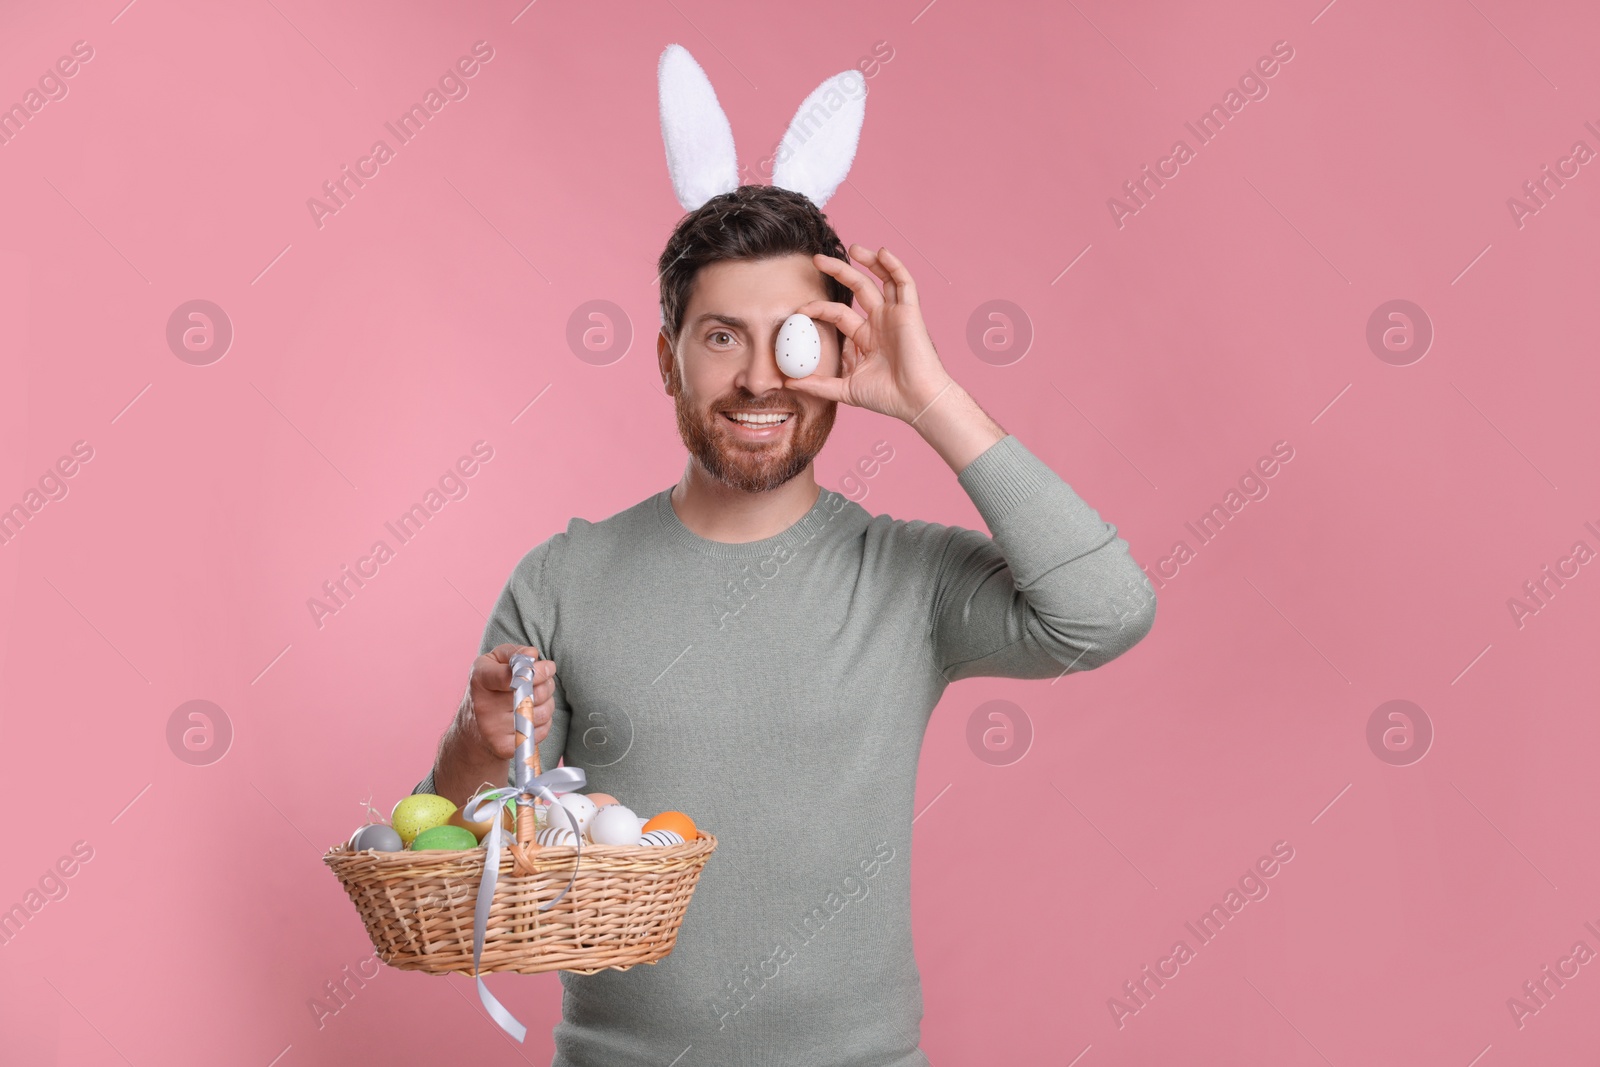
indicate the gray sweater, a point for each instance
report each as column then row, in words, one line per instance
column 777, row 691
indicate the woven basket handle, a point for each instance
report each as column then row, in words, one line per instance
column 526, row 827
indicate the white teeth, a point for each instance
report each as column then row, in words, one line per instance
column 759, row 420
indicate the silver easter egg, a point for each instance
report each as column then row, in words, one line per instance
column 380, row 837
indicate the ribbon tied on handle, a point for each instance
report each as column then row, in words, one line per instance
column 526, row 784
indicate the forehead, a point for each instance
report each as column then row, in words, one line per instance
column 755, row 289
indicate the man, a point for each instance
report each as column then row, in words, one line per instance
column 764, row 655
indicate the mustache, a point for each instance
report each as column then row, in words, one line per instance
column 750, row 403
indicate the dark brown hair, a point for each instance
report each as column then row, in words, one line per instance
column 752, row 222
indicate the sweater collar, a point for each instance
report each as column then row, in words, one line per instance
column 828, row 507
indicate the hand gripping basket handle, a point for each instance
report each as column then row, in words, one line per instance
column 527, row 754
column 528, row 780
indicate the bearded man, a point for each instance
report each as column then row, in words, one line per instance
column 764, row 654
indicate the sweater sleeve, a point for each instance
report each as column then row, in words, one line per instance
column 1054, row 590
column 525, row 615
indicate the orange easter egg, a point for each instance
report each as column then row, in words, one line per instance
column 481, row 829
column 673, row 820
column 602, row 799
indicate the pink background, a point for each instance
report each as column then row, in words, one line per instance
column 1228, row 314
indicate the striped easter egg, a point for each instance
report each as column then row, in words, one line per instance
column 556, row 835
column 661, row 838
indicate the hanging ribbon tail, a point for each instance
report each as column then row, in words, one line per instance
column 565, row 779
column 497, row 1011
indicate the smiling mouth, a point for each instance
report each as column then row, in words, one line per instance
column 757, row 420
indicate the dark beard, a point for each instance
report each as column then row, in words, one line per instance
column 751, row 469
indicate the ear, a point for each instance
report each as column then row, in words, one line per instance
column 666, row 362
column 820, row 144
column 699, row 141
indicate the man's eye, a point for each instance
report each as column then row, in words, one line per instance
column 720, row 333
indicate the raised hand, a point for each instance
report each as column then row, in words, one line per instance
column 889, row 364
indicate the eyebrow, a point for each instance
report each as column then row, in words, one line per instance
column 713, row 316
column 727, row 320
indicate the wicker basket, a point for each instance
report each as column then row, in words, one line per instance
column 624, row 907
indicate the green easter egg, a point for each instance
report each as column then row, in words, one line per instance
column 445, row 837
column 419, row 812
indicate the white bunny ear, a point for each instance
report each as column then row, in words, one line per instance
column 700, row 156
column 820, row 144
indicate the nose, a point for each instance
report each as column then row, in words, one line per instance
column 760, row 374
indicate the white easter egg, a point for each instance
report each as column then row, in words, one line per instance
column 581, row 807
column 799, row 346
column 556, row 835
column 661, row 838
column 614, row 825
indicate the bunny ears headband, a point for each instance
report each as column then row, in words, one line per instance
column 813, row 158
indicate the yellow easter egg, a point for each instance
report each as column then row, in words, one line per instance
column 419, row 812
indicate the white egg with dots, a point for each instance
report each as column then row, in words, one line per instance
column 579, row 806
column 799, row 347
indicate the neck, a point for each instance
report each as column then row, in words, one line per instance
column 719, row 512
